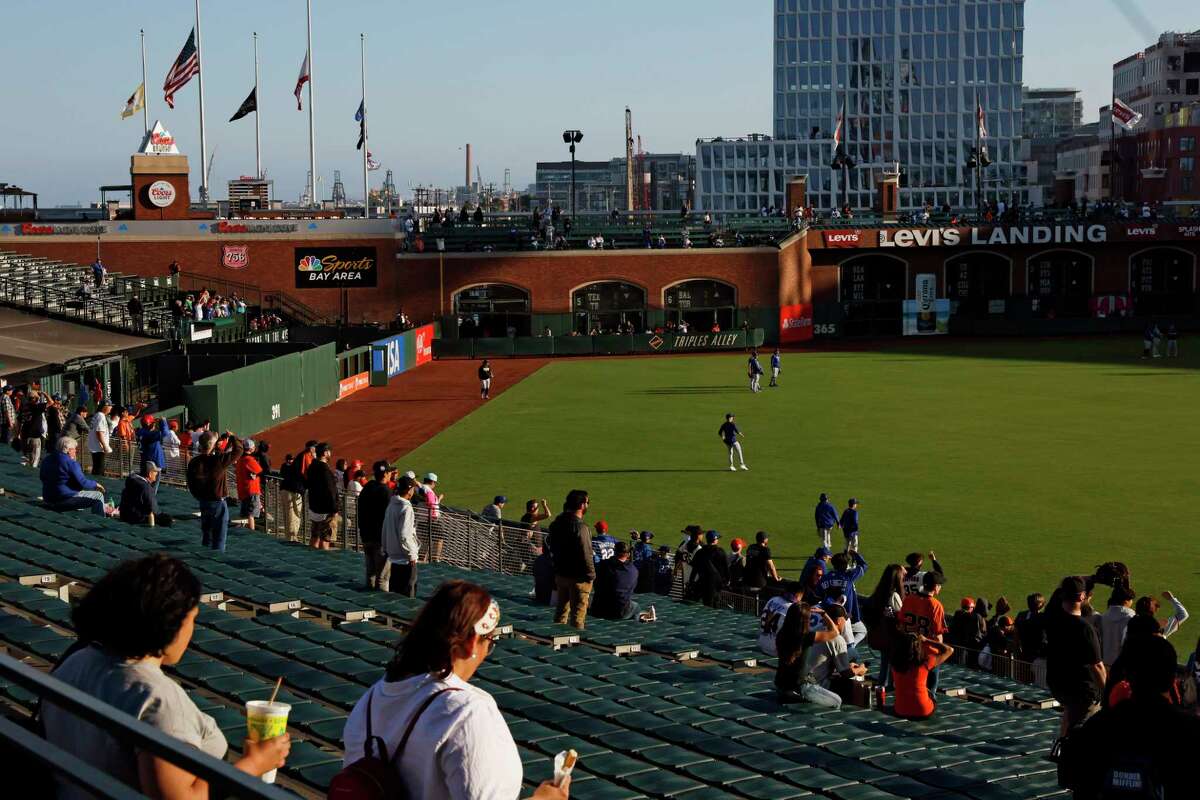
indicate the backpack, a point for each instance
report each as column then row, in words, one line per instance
column 374, row 776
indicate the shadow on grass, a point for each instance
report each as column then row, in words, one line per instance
column 684, row 390
column 632, row 471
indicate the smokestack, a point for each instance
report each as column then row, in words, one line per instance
column 467, row 182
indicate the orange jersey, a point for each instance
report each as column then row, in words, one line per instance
column 922, row 614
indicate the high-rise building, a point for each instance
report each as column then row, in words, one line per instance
column 1048, row 117
column 600, row 185
column 1162, row 79
column 908, row 73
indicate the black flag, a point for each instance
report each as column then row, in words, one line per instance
column 248, row 106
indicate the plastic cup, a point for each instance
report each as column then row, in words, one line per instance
column 266, row 720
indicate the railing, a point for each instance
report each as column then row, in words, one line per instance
column 195, row 282
column 94, row 308
column 293, row 308
column 131, row 732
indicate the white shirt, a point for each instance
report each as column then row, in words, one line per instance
column 171, row 443
column 460, row 749
column 99, row 431
column 770, row 621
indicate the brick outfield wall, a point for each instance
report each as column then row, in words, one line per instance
column 413, row 281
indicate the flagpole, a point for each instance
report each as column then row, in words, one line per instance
column 257, row 128
column 145, row 94
column 200, row 85
column 366, row 184
column 1112, row 147
column 978, row 161
column 312, row 136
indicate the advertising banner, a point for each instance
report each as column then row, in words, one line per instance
column 348, row 386
column 795, row 323
column 932, row 321
column 389, row 359
column 336, row 268
column 424, row 346
column 844, row 238
column 235, row 256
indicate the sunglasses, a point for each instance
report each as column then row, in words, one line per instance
column 491, row 643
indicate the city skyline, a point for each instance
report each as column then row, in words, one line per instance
column 426, row 100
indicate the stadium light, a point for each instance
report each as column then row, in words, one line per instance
column 572, row 138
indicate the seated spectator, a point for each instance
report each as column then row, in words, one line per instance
column 135, row 620
column 616, row 579
column 1145, row 742
column 760, row 568
column 819, row 559
column 460, row 746
column 829, row 664
column 812, row 585
column 710, row 571
column 139, row 499
column 64, row 486
column 912, row 659
column 796, row 638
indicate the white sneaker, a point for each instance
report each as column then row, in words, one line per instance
column 732, row 468
column 744, row 466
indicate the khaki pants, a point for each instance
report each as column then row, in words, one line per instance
column 293, row 506
column 572, row 605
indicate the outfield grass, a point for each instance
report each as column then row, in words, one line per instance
column 1017, row 462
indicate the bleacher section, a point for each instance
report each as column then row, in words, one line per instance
column 686, row 710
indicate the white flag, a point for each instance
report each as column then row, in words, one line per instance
column 1125, row 116
column 300, row 81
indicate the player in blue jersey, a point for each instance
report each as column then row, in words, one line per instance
column 754, row 370
column 730, row 434
column 603, row 545
column 776, row 367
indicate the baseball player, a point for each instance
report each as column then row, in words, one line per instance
column 776, row 367
column 485, row 379
column 729, row 434
column 755, row 371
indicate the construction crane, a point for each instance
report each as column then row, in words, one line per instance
column 628, row 159
column 339, row 189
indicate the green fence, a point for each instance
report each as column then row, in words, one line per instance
column 641, row 343
column 258, row 396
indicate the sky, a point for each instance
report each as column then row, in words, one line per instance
column 505, row 75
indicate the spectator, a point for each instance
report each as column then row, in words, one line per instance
column 710, row 571
column 760, row 567
column 737, row 563
column 967, row 630
column 98, row 273
column 249, row 483
column 139, row 498
column 772, row 616
column 64, row 486
column 291, row 485
column 827, row 519
column 640, row 548
column 840, row 581
column 150, row 438
column 880, row 613
column 820, row 559
column 616, row 580
column 136, row 311
column 914, row 579
column 1110, row 626
column 427, row 494
column 207, row 482
column 123, row 428
column 1145, row 742
column 574, row 566
column 603, row 544
column 1148, row 607
column 1075, row 668
column 535, row 514
column 495, row 511
column 686, row 550
column 914, row 658
column 56, row 419
column 171, row 442
column 812, row 585
column 32, row 422
column 76, row 427
column 664, row 571
column 849, row 525
column 135, row 620
column 796, row 640
column 923, row 614
column 1001, row 642
column 99, row 433
column 399, row 535
column 8, row 415
column 829, row 664
column 1030, row 631
column 321, row 487
column 543, row 576
column 372, row 506
column 461, row 747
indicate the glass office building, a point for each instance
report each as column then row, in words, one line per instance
column 909, row 72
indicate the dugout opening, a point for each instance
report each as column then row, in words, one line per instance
column 702, row 303
column 608, row 307
column 978, row 284
column 492, row 310
column 872, row 294
column 1060, row 283
column 1162, row 280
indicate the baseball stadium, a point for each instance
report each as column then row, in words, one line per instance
column 882, row 499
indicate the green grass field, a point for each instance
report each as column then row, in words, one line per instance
column 1017, row 462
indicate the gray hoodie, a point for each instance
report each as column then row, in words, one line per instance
column 399, row 532
column 1110, row 628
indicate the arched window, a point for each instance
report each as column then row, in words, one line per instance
column 873, row 288
column 701, row 304
column 492, row 309
column 609, row 307
column 1162, row 280
column 975, row 279
column 1060, row 283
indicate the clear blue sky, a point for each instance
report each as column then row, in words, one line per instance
column 505, row 75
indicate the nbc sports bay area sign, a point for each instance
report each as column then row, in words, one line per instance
column 336, row 268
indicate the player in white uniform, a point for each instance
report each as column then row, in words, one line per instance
column 776, row 367
column 485, row 379
column 754, row 371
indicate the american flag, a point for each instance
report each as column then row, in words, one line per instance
column 187, row 65
column 837, row 127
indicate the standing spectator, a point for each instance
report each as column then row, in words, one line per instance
column 99, row 434
column 849, row 525
column 1110, row 626
column 616, row 580
column 399, row 535
column 76, row 426
column 8, row 415
column 56, row 419
column 427, row 494
column 171, row 442
column 914, row 658
column 1148, row 607
column 123, row 429
column 320, row 485
column 373, row 503
column 64, row 486
column 914, row 579
column 150, row 442
column 737, row 563
column 664, row 571
column 136, row 311
column 249, row 483
column 967, row 630
column 760, row 567
column 1031, row 632
column 881, row 612
column 139, row 498
column 495, row 511
column 99, row 272
column 640, row 548
column 827, row 519
column 291, row 484
column 840, row 581
column 1075, row 668
column 535, row 514
column 574, row 567
column 32, row 421
column 686, row 550
column 603, row 545
column 543, row 576
column 262, row 454
column 710, row 571
column 206, row 480
column 923, row 614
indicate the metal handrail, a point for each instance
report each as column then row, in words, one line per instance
column 112, row 313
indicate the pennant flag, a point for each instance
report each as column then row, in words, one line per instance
column 187, row 65
column 136, row 102
column 360, row 117
column 981, row 126
column 1125, row 116
column 248, row 106
column 372, row 164
column 300, row 81
column 837, row 126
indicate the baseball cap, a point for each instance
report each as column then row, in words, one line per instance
column 853, row 501
column 498, row 499
column 173, row 424
column 823, row 552
column 835, row 612
column 647, row 535
column 410, row 474
column 310, row 444
column 738, row 543
column 431, row 476
column 967, row 604
column 823, row 497
column 1072, row 585
column 322, row 449
column 690, row 529
column 147, row 420
column 380, row 468
column 712, row 536
column 602, row 526
column 248, row 444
